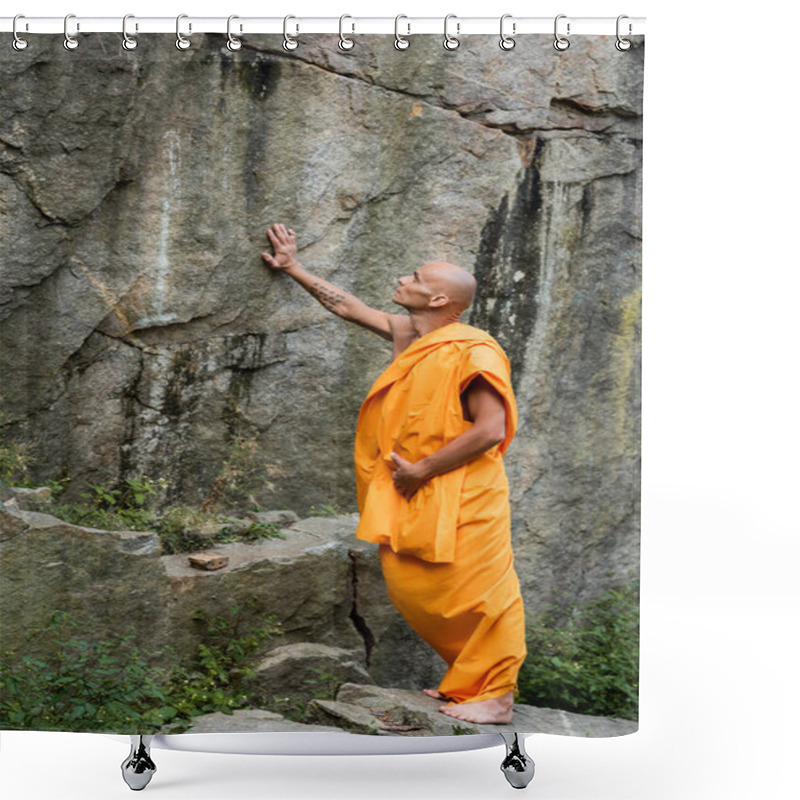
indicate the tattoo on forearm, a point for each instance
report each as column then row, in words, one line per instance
column 329, row 297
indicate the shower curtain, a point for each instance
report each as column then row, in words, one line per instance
column 181, row 539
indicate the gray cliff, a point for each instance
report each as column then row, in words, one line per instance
column 142, row 333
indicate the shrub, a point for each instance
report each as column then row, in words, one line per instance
column 183, row 529
column 125, row 508
column 83, row 686
column 109, row 686
column 15, row 457
column 589, row 663
column 244, row 475
column 325, row 510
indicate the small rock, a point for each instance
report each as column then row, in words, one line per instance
column 208, row 561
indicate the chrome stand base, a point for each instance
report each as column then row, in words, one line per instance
column 518, row 766
column 138, row 768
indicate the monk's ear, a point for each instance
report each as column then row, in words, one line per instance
column 438, row 300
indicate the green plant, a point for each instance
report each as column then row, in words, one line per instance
column 213, row 682
column 15, row 458
column 325, row 510
column 254, row 533
column 82, row 686
column 108, row 685
column 183, row 529
column 322, row 684
column 587, row 663
column 125, row 508
column 459, row 731
column 244, row 473
column 290, row 707
column 228, row 642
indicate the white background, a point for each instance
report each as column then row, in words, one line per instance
column 719, row 704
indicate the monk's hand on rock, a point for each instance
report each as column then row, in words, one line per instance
column 284, row 246
column 408, row 476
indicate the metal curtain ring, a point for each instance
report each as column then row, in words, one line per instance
column 506, row 41
column 181, row 42
column 233, row 44
column 128, row 42
column 400, row 42
column 289, row 42
column 18, row 43
column 623, row 44
column 344, row 42
column 451, row 42
column 70, row 42
column 560, row 43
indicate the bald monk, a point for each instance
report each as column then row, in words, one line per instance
column 432, row 490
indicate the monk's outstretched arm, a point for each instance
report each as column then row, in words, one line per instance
column 333, row 298
column 488, row 411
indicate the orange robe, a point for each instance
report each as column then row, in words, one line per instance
column 446, row 553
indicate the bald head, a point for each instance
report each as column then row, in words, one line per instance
column 451, row 280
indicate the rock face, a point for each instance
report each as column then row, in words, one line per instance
column 105, row 580
column 320, row 584
column 143, row 334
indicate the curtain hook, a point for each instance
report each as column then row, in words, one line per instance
column 70, row 42
column 623, row 44
column 233, row 44
column 344, row 42
column 128, row 42
column 507, row 42
column 289, row 42
column 181, row 42
column 19, row 43
column 451, row 42
column 400, row 42
column 561, row 43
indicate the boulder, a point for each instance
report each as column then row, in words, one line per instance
column 390, row 711
column 321, row 585
column 305, row 670
column 253, row 720
column 105, row 580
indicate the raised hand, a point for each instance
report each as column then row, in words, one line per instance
column 284, row 245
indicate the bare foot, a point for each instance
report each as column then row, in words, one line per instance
column 435, row 694
column 498, row 710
